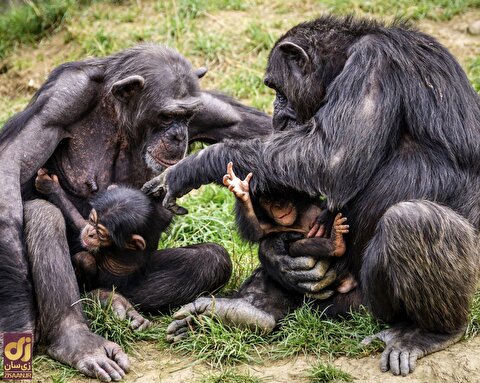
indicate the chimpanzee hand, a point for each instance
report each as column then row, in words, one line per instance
column 319, row 227
column 157, row 187
column 301, row 274
column 47, row 184
column 240, row 188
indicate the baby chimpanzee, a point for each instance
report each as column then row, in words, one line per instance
column 120, row 236
column 258, row 217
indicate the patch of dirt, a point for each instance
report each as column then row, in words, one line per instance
column 453, row 34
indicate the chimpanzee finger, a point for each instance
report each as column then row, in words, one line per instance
column 181, row 331
column 321, row 296
column 117, row 368
column 93, row 369
column 140, row 323
column 226, row 180
column 315, row 287
column 230, row 170
column 313, row 275
column 385, row 359
column 301, row 263
column 404, row 363
column 119, row 310
column 119, row 357
column 176, row 324
column 110, row 370
column 395, row 362
column 170, row 203
column 313, row 230
column 180, row 337
column 248, row 178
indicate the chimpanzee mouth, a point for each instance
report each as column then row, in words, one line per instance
column 156, row 164
column 286, row 214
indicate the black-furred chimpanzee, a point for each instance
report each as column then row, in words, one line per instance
column 383, row 122
column 119, row 119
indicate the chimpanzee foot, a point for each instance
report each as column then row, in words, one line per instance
column 90, row 354
column 235, row 312
column 405, row 344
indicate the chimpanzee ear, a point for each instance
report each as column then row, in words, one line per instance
column 124, row 89
column 137, row 243
column 200, row 72
column 296, row 53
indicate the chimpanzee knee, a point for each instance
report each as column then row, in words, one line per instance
column 422, row 264
column 219, row 264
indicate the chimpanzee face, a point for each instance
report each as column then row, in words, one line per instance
column 160, row 106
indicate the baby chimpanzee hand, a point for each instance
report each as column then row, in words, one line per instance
column 238, row 187
column 45, row 183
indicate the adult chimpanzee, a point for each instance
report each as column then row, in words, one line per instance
column 119, row 119
column 382, row 121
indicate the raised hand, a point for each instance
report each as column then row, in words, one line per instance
column 240, row 188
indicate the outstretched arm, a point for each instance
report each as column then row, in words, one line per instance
column 347, row 139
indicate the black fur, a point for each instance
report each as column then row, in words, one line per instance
column 377, row 115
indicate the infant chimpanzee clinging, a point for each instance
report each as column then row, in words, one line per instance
column 258, row 217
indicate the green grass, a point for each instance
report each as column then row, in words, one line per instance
column 31, row 22
column 102, row 321
column 473, row 72
column 416, row 10
column 308, row 331
column 211, row 219
column 327, row 373
column 230, row 376
column 474, row 319
column 220, row 345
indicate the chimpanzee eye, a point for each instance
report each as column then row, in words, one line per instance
column 167, row 119
column 102, row 236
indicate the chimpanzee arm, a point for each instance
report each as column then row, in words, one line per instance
column 347, row 140
column 223, row 117
column 26, row 143
column 316, row 247
column 321, row 247
column 51, row 188
column 247, row 222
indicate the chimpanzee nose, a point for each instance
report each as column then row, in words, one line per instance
column 91, row 235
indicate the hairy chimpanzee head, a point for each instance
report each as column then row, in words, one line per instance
column 124, row 218
column 155, row 93
column 305, row 61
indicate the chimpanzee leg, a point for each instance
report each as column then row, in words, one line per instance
column 420, row 268
column 60, row 318
column 178, row 276
column 259, row 304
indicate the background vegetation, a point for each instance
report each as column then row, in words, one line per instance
column 232, row 38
